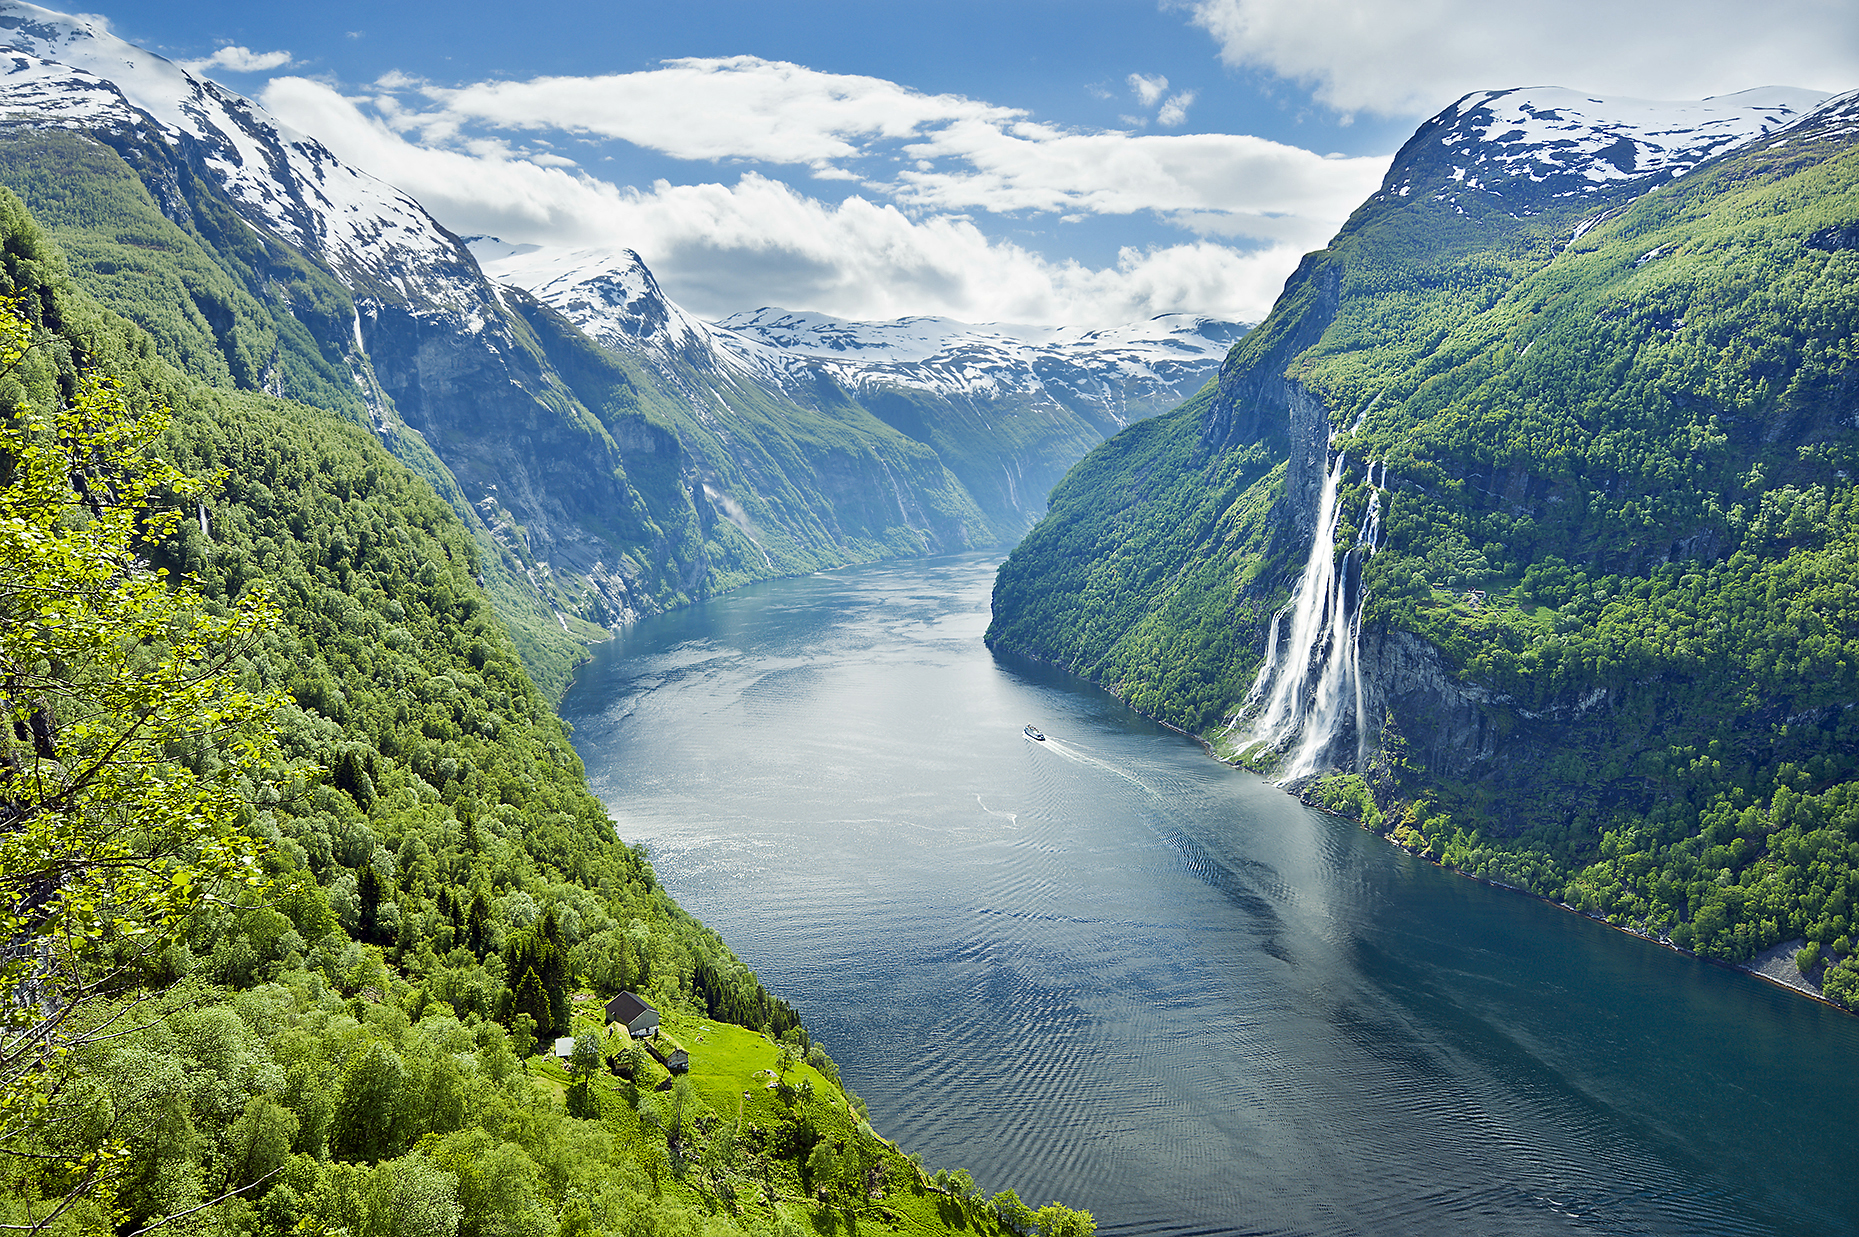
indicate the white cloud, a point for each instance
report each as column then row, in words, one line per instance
column 1148, row 89
column 1175, row 111
column 724, row 247
column 1413, row 58
column 1240, row 178
column 956, row 153
column 239, row 60
column 739, row 107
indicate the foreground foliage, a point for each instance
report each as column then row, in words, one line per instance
column 366, row 877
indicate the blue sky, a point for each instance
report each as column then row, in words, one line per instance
column 1040, row 161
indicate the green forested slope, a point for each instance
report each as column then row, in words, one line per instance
column 1620, row 511
column 598, row 489
column 239, row 310
column 439, row 889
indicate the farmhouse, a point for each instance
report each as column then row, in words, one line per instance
column 632, row 1012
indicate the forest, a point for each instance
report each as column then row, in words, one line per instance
column 311, row 912
column 1615, row 466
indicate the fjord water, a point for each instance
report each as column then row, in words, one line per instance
column 1109, row 970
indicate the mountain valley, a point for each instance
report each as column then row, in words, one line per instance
column 1523, row 532
column 613, row 456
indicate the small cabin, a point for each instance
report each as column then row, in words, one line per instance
column 631, row 1011
column 564, row 1047
column 677, row 1060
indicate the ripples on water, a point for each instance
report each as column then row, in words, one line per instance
column 1110, row 970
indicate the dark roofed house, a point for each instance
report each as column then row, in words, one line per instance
column 631, row 1011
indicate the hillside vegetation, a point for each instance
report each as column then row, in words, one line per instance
column 1619, row 510
column 308, row 1000
column 599, row 484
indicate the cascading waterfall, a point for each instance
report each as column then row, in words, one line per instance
column 1309, row 688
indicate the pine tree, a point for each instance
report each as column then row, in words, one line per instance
column 478, row 924
column 533, row 999
column 368, row 888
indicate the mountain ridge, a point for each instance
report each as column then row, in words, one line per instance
column 1516, row 531
column 599, row 490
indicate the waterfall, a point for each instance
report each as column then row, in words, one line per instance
column 1308, row 693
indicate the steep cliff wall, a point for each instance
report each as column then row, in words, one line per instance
column 1582, row 381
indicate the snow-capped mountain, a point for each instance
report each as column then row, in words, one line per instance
column 1121, row 372
column 609, row 293
column 946, row 357
column 682, row 458
column 1529, row 146
column 615, row 454
column 69, row 71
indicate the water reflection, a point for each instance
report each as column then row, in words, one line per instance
column 1110, row 970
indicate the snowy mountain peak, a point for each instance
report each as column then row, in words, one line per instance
column 1532, row 143
column 817, row 335
column 70, row 72
column 612, row 296
column 1835, row 120
column 609, row 293
column 905, row 341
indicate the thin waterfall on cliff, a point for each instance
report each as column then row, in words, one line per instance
column 1307, row 697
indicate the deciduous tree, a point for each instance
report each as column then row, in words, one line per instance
column 125, row 745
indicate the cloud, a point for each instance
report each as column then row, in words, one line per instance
column 927, row 151
column 1413, row 58
column 239, row 60
column 1148, row 89
column 1233, row 176
column 1175, row 111
column 721, row 247
column 738, row 107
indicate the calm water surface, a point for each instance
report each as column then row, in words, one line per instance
column 1110, row 970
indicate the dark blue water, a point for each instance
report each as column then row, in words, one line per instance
column 1109, row 970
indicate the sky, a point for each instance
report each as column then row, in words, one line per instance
column 1085, row 163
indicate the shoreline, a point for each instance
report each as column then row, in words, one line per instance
column 1773, row 966
column 1767, row 966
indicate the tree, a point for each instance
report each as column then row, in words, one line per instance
column 1015, row 1216
column 124, row 743
column 787, row 1058
column 822, row 1166
column 679, row 1107
column 368, row 889
column 478, row 923
column 258, row 1143
column 369, row 1117
column 523, row 1036
column 584, row 1060
column 532, row 1000
column 1058, row 1220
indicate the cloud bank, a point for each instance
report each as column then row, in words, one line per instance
column 1413, row 58
column 486, row 158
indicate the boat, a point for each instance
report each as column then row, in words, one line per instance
column 1032, row 732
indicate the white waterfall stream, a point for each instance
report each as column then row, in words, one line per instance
column 1308, row 693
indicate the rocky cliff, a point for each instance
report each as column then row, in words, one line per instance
column 1523, row 529
column 1409, row 407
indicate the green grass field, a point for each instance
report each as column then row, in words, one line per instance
column 737, row 1145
